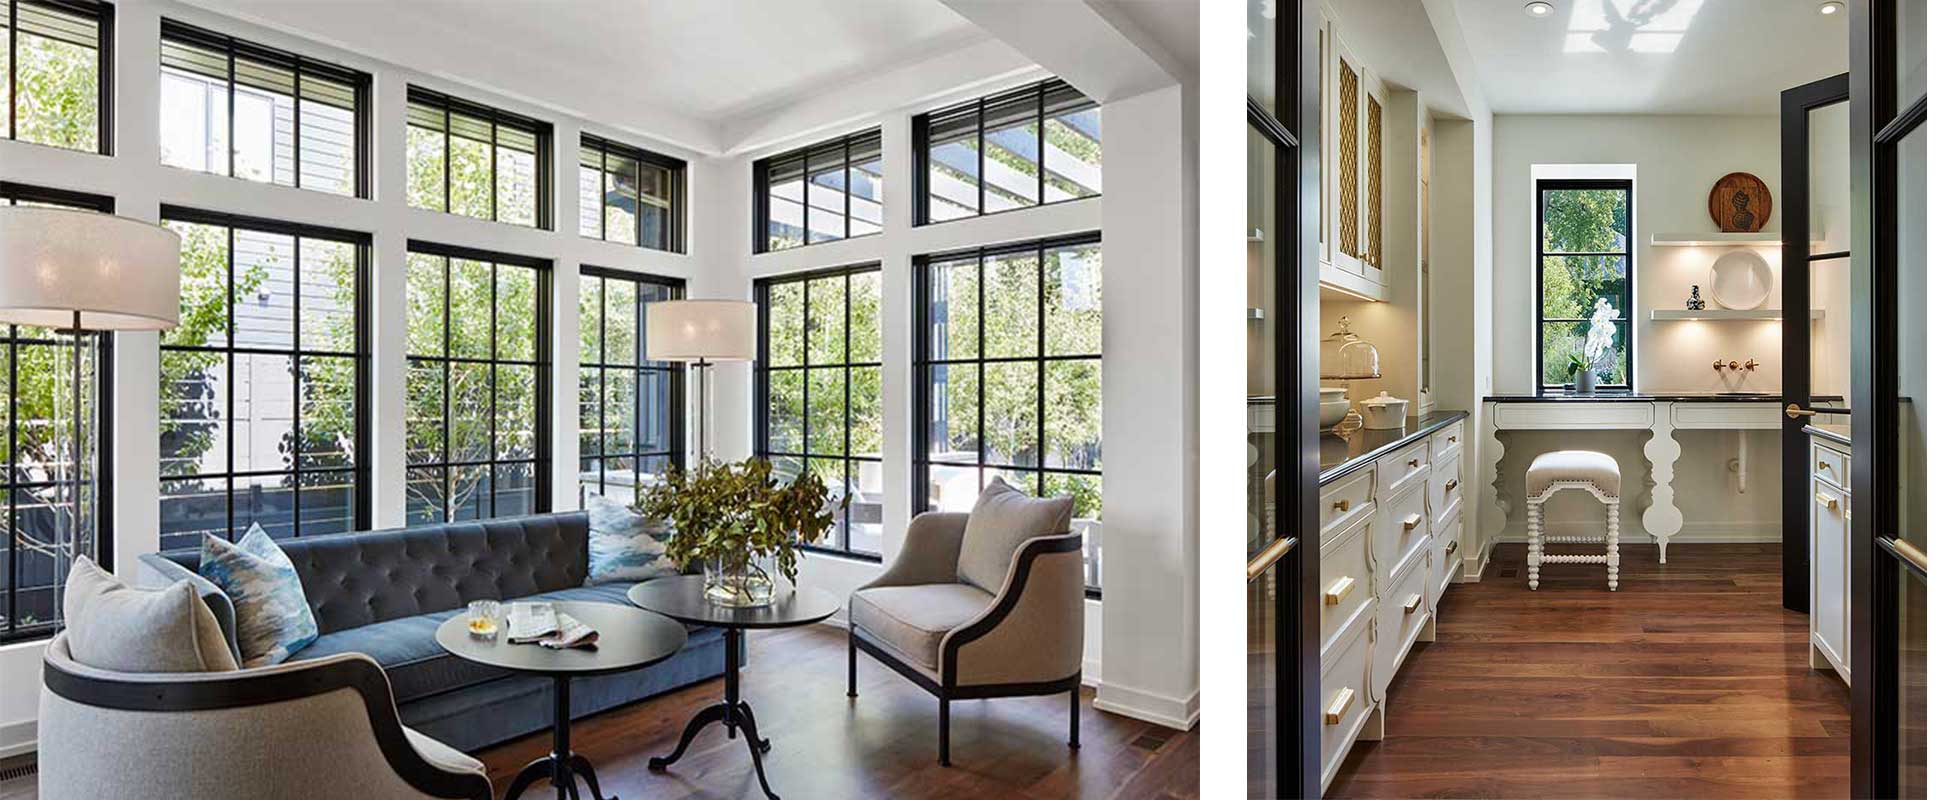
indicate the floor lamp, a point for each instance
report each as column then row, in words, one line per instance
column 701, row 333
column 81, row 274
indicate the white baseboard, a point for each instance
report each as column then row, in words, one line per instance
column 18, row 738
column 1093, row 673
column 1473, row 566
column 1153, row 708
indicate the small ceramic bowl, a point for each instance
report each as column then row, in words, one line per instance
column 1334, row 406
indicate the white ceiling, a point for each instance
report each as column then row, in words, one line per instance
column 669, row 68
column 1650, row 56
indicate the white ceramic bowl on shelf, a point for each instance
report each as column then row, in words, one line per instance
column 1334, row 406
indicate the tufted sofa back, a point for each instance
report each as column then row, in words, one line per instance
column 357, row 579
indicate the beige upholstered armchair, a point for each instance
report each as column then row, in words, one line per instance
column 966, row 618
column 319, row 728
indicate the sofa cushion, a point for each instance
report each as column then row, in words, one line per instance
column 1003, row 518
column 416, row 664
column 913, row 619
column 113, row 626
column 273, row 619
column 625, row 545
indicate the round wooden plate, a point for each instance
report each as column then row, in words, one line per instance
column 1739, row 203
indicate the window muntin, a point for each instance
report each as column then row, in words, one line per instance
column 263, row 384
column 1031, row 146
column 817, row 392
column 630, row 195
column 820, row 193
column 34, row 380
column 476, row 384
column 631, row 409
column 54, row 76
column 1009, row 377
column 229, row 107
column 1584, row 258
column 468, row 159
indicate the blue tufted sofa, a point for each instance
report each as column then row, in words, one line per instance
column 383, row 593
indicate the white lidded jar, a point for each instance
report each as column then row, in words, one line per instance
column 1386, row 412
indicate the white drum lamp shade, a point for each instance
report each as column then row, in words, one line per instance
column 118, row 274
column 700, row 330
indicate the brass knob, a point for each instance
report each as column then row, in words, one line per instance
column 1821, row 464
column 1340, row 505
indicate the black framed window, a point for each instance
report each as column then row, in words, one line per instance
column 469, row 159
column 263, row 384
column 1584, row 281
column 631, row 195
column 476, row 384
column 819, row 193
column 1031, row 146
column 631, row 417
column 1009, row 377
column 48, row 528
column 230, row 107
column 817, row 392
column 57, row 70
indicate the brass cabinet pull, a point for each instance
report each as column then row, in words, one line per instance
column 1821, row 464
column 1337, row 707
column 1825, row 501
column 1339, row 590
column 1341, row 505
column 1451, row 485
column 1409, row 522
column 1414, row 462
column 1795, row 411
column 1452, row 440
column 1451, row 549
column 1414, row 602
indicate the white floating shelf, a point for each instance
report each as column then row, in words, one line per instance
column 1762, row 239
column 1724, row 313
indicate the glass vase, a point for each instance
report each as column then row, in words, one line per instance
column 741, row 583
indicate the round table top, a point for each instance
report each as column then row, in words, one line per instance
column 629, row 638
column 681, row 597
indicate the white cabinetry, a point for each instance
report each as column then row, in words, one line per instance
column 1353, row 102
column 1389, row 546
column 1828, row 579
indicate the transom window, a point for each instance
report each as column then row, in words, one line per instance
column 820, row 193
column 1584, row 281
column 631, row 195
column 1031, row 146
column 54, row 78
column 632, row 408
column 263, row 382
column 47, row 529
column 1009, row 379
column 468, row 159
column 818, row 392
column 476, row 387
column 234, row 108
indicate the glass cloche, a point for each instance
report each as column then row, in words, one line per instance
column 1345, row 356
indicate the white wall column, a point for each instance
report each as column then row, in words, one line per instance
column 1150, row 572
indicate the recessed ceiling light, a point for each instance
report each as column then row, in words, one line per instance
column 1539, row 8
column 1832, row 7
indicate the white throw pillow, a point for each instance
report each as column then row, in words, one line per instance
column 625, row 545
column 111, row 625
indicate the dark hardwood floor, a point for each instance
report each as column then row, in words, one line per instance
column 879, row 745
column 1690, row 681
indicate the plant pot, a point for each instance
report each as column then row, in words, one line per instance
column 740, row 584
column 1584, row 382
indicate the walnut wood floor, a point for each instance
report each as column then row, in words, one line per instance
column 1690, row 681
column 880, row 745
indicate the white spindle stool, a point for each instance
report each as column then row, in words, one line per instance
column 1596, row 473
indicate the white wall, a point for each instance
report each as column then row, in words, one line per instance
column 139, row 183
column 1676, row 159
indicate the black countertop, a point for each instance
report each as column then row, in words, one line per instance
column 1339, row 456
column 1650, row 397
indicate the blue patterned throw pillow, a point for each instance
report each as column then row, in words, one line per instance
column 273, row 619
column 625, row 545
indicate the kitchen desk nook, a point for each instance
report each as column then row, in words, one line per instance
column 1662, row 414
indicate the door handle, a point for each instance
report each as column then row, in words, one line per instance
column 1337, row 707
column 1795, row 411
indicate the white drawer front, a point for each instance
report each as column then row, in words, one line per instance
column 1447, row 558
column 1402, row 526
column 1446, row 442
column 1346, row 584
column 1345, row 699
column 1398, row 618
column 1445, row 488
column 1573, row 415
column 1400, row 467
column 1726, row 416
column 1345, row 498
column 1831, row 465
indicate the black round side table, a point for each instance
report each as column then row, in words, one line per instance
column 629, row 638
column 681, row 597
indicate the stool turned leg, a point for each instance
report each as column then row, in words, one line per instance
column 1534, row 530
column 1611, row 544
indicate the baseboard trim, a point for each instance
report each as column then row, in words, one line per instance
column 1147, row 706
column 19, row 738
column 1475, row 565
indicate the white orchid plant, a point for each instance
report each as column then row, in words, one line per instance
column 1598, row 355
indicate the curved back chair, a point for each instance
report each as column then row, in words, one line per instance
column 320, row 728
column 959, row 642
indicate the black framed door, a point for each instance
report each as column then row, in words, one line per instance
column 1888, row 543
column 1813, row 354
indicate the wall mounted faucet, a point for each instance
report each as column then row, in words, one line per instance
column 1723, row 364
